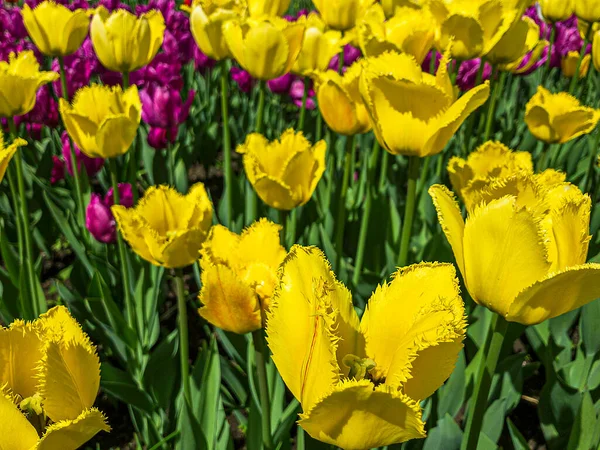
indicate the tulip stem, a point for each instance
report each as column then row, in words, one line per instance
column 14, row 193
column 579, row 62
column 498, row 87
column 133, row 160
column 490, row 353
column 364, row 223
column 340, row 223
column 303, row 109
column 184, row 353
column 384, row 169
column 414, row 162
column 261, row 356
column 283, row 221
column 122, row 253
column 228, row 194
column 258, row 128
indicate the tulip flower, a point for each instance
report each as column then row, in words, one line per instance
column 390, row 6
column 522, row 251
column 408, row 31
column 281, row 85
column 596, row 50
column 102, row 121
column 414, row 113
column 166, row 228
column 258, row 8
column 512, row 46
column 20, row 78
column 318, row 47
column 490, row 162
column 556, row 10
column 55, row 377
column 239, row 274
column 91, row 165
column 206, row 22
column 242, row 78
column 285, row 172
column 54, row 29
column 296, row 93
column 588, row 10
column 359, row 382
column 569, row 63
column 466, row 77
column 340, row 102
column 558, row 118
column 474, row 29
column 342, row 15
column 267, row 48
column 7, row 152
column 99, row 219
column 124, row 42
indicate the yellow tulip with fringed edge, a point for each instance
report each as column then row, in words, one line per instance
column 285, row 172
column 558, row 118
column 319, row 46
column 47, row 393
column 55, row 29
column 342, row 15
column 360, row 381
column 239, row 274
column 587, row 10
column 124, row 42
column 258, row 8
column 390, row 6
column 569, row 63
column 7, row 152
column 556, row 10
column 523, row 248
column 206, row 23
column 20, row 79
column 102, row 120
column 167, row 228
column 266, row 47
column 340, row 103
column 414, row 113
column 522, row 39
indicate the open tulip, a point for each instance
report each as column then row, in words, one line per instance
column 7, row 152
column 414, row 113
column 55, row 29
column 340, row 102
column 521, row 39
column 588, row 10
column 318, row 47
column 258, row 8
column 102, row 120
column 266, row 47
column 558, row 118
column 522, row 251
column 206, row 23
column 359, row 382
column 342, row 15
column 284, row 172
column 124, row 42
column 20, row 78
column 239, row 274
column 390, row 6
column 556, row 10
column 167, row 228
column 56, row 376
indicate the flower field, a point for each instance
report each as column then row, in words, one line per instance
column 296, row 225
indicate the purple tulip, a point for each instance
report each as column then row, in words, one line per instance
column 71, row 4
column 467, row 73
column 92, row 165
column 44, row 113
column 202, row 63
column 79, row 69
column 58, row 170
column 99, row 219
column 351, row 55
column 296, row 93
column 159, row 138
column 112, row 5
column 426, row 65
column 242, row 78
column 281, row 85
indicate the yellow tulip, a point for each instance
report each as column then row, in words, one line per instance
column 267, row 48
column 414, row 113
column 596, row 50
column 558, row 118
column 318, row 47
column 474, row 27
column 55, row 29
column 56, row 376
column 521, row 39
column 340, row 102
column 166, row 228
column 390, row 6
column 588, row 10
column 20, row 78
column 124, row 42
column 569, row 64
column 342, row 15
column 239, row 274
column 519, row 66
column 285, row 172
column 359, row 382
column 556, row 10
column 259, row 8
column 7, row 152
column 490, row 162
column 522, row 251
column 103, row 121
column 206, row 24
column 408, row 31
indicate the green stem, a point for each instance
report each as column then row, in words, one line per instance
column 14, row 194
column 184, row 353
column 414, row 162
column 580, row 61
column 340, row 222
column 125, row 80
column 432, row 61
column 283, row 221
column 384, row 169
column 303, row 109
column 543, row 160
column 258, row 128
column 261, row 356
column 341, row 62
column 319, row 132
column 364, row 223
column 498, row 86
column 490, row 353
column 226, row 147
column 133, row 159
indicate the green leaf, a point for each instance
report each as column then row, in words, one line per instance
column 447, row 435
column 452, row 393
column 191, row 432
column 590, row 318
column 120, row 385
column 10, row 258
column 518, row 441
column 582, row 434
column 161, row 375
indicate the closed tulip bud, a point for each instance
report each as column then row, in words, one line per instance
column 124, row 42
column 267, row 48
column 558, row 118
column 569, row 63
column 318, row 47
column 206, row 22
column 414, row 113
column 55, row 29
column 99, row 219
column 390, row 6
column 466, row 76
column 239, row 274
column 340, row 102
column 360, row 381
column 20, row 78
column 588, row 10
column 7, row 152
column 285, row 172
column 522, row 250
column 167, row 228
column 556, row 10
column 242, row 78
column 259, row 8
column 281, row 85
column 342, row 15
column 103, row 121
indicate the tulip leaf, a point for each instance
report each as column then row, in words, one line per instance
column 518, row 441
column 120, row 385
column 452, row 393
column 191, row 433
column 446, row 434
column 162, row 370
column 10, row 258
column 590, row 318
column 582, row 433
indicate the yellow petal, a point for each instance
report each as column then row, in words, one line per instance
column 274, row 193
column 260, row 242
column 182, row 248
column 464, row 34
column 336, row 106
column 135, row 231
column 6, row 153
column 232, row 31
column 72, row 434
column 512, row 45
column 304, row 170
column 16, row 433
column 266, row 51
column 221, row 245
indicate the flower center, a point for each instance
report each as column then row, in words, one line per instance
column 359, row 367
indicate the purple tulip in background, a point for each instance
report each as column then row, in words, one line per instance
column 297, row 94
column 99, row 219
column 43, row 114
column 467, row 73
column 351, row 55
column 92, row 165
column 243, row 79
column 79, row 68
column 281, row 85
column 58, row 170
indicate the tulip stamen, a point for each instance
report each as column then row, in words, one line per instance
column 360, row 368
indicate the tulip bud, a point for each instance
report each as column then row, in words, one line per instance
column 556, row 10
column 280, row 85
column 99, row 219
column 243, row 79
column 569, row 64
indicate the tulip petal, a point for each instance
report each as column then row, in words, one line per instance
column 556, row 294
column 232, row 31
column 221, row 245
column 181, row 248
column 115, row 135
column 266, row 51
column 16, row 433
column 71, row 434
column 100, row 39
column 511, row 45
column 465, row 34
column 304, row 170
column 575, row 123
column 6, row 153
column 336, row 106
column 357, row 415
column 294, row 36
column 274, row 193
column 260, row 242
